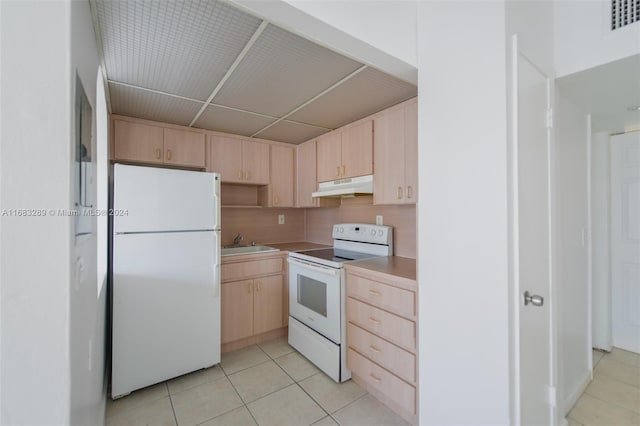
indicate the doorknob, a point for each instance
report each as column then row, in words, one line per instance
column 534, row 299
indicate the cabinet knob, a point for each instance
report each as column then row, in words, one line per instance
column 409, row 192
column 375, row 379
column 374, row 321
column 168, row 154
column 374, row 293
column 399, row 193
column 374, row 349
column 158, row 153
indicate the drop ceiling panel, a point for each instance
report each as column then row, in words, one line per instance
column 290, row 132
column 179, row 47
column 282, row 71
column 231, row 121
column 366, row 93
column 152, row 106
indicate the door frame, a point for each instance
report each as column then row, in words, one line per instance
column 513, row 250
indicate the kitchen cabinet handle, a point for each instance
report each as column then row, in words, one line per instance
column 374, row 349
column 374, row 321
column 399, row 193
column 409, row 192
column 344, row 170
column 375, row 379
column 158, row 153
column 240, row 174
column 374, row 293
column 168, row 154
column 337, row 171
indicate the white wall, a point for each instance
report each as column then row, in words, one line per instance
column 571, row 250
column 356, row 29
column 583, row 37
column 52, row 353
column 36, row 169
column 462, row 218
column 87, row 307
column 600, row 238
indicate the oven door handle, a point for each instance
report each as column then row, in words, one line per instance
column 317, row 268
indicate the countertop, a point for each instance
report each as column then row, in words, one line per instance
column 393, row 265
column 297, row 246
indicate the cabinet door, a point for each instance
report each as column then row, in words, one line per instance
column 236, row 310
column 329, row 157
column 282, row 181
column 388, row 140
column 306, row 181
column 183, row 148
column 225, row 157
column 411, row 152
column 357, row 150
column 137, row 142
column 255, row 161
column 267, row 303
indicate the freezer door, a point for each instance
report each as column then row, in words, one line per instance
column 166, row 307
column 148, row 199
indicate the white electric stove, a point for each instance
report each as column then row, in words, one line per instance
column 317, row 320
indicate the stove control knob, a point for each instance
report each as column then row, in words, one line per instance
column 335, row 229
column 373, row 232
column 341, row 229
column 380, row 232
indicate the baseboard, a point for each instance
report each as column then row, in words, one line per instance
column 252, row 340
column 573, row 397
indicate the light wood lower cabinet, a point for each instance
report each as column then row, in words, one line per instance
column 382, row 338
column 253, row 298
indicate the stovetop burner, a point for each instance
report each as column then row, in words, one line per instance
column 337, row 255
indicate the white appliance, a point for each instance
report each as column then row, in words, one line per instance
column 166, row 279
column 317, row 299
column 345, row 188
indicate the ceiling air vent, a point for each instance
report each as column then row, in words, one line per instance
column 624, row 12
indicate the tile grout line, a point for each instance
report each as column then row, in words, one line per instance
column 173, row 410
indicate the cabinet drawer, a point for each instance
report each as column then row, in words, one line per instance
column 231, row 271
column 391, row 357
column 399, row 301
column 380, row 379
column 384, row 324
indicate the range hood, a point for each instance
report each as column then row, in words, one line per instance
column 345, row 188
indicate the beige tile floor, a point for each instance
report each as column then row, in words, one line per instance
column 265, row 384
column 613, row 397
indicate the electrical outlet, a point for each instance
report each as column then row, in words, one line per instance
column 280, row 219
column 379, row 220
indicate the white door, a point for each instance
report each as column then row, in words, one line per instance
column 532, row 230
column 625, row 240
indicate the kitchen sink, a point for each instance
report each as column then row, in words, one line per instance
column 231, row 251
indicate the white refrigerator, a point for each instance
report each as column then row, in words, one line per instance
column 166, row 275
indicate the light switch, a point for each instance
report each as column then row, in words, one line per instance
column 379, row 220
column 280, row 219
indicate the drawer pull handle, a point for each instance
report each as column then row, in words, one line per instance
column 375, row 379
column 374, row 349
column 158, row 153
column 373, row 320
column 399, row 193
column 409, row 192
column 168, row 154
column 374, row 293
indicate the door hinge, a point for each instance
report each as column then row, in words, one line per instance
column 549, row 118
column 551, row 396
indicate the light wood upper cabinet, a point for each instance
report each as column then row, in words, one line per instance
column 357, row 150
column 138, row 142
column 255, row 162
column 239, row 160
column 183, row 148
column 225, row 157
column 346, row 153
column 306, row 180
column 395, row 141
column 329, row 156
column 144, row 143
column 282, row 180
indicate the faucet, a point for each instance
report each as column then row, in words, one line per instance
column 237, row 239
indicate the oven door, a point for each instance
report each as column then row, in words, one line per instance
column 314, row 297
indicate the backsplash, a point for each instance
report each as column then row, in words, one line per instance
column 402, row 218
column 261, row 225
